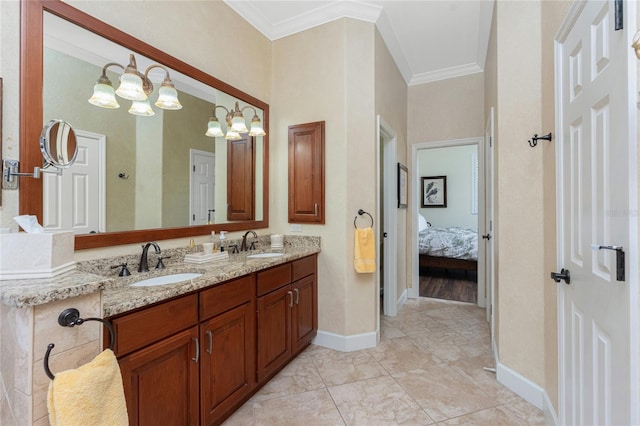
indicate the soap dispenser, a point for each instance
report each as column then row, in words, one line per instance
column 222, row 240
column 213, row 240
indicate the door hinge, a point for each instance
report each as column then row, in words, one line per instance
column 194, row 217
column 194, row 168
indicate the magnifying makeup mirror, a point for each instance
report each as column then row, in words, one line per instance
column 59, row 149
column 58, row 144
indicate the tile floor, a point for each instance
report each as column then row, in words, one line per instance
column 427, row 369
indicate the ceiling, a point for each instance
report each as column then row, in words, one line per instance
column 429, row 40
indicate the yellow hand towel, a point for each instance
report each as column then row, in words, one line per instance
column 89, row 395
column 365, row 251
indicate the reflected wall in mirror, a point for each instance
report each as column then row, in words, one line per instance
column 143, row 177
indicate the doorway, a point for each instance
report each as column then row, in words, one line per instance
column 202, row 187
column 471, row 176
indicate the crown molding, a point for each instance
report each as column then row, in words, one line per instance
column 394, row 47
column 326, row 13
column 444, row 74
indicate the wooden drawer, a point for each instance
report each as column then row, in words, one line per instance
column 273, row 278
column 225, row 296
column 302, row 267
column 133, row 331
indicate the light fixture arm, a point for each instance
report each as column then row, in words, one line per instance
column 167, row 79
column 103, row 78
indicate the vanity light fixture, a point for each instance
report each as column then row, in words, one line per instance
column 235, row 123
column 135, row 87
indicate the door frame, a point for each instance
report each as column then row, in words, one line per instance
column 634, row 238
column 414, row 187
column 387, row 141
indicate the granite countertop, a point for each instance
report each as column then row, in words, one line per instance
column 117, row 294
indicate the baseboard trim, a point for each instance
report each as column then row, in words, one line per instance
column 550, row 415
column 519, row 384
column 343, row 343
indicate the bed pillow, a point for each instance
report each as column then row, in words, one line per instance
column 422, row 223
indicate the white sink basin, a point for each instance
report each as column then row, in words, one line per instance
column 264, row 255
column 166, row 279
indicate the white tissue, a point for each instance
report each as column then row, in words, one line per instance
column 29, row 223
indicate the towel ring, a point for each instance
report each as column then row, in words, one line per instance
column 361, row 212
column 69, row 318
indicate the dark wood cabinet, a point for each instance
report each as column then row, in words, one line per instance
column 227, row 367
column 161, row 382
column 274, row 331
column 195, row 359
column 240, row 179
column 287, row 316
column 306, row 173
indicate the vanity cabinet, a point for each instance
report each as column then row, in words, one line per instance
column 160, row 380
column 287, row 313
column 227, row 336
column 306, row 173
column 195, row 359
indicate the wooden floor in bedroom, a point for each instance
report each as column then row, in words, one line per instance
column 461, row 286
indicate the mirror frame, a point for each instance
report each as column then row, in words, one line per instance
column 31, row 119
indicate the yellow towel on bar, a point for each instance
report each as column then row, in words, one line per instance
column 365, row 251
column 89, row 395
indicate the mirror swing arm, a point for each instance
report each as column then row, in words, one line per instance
column 31, row 118
column 53, row 156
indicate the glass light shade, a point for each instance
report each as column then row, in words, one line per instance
column 131, row 87
column 256, row 127
column 213, row 128
column 232, row 135
column 141, row 108
column 168, row 97
column 237, row 123
column 104, row 96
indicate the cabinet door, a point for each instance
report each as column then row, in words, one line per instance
column 161, row 381
column 304, row 323
column 306, row 173
column 274, row 330
column 228, row 361
column 240, row 181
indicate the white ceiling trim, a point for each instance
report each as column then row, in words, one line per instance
column 394, row 47
column 327, row 13
column 443, row 74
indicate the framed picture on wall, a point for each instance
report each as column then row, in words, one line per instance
column 403, row 190
column 434, row 191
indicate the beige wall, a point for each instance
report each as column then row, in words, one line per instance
column 391, row 105
column 446, row 109
column 336, row 87
column 521, row 242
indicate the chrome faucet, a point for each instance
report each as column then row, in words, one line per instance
column 243, row 245
column 144, row 265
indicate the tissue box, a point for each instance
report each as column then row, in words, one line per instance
column 43, row 255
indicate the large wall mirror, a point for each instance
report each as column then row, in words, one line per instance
column 137, row 176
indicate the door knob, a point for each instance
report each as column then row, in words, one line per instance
column 563, row 275
column 487, row 237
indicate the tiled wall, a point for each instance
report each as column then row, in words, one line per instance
column 25, row 336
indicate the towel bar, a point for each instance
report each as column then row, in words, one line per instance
column 69, row 318
column 361, row 212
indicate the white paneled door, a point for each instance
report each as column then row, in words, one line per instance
column 597, row 207
column 202, row 187
column 75, row 200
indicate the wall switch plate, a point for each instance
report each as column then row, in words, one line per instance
column 296, row 227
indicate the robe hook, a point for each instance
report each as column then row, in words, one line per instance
column 534, row 140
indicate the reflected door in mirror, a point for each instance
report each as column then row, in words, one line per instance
column 240, row 181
